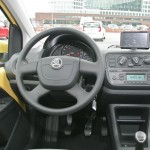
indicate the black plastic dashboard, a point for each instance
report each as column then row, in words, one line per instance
column 117, row 84
column 117, row 90
column 127, row 71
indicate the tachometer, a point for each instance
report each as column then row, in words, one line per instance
column 73, row 49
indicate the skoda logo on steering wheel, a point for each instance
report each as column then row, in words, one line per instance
column 56, row 63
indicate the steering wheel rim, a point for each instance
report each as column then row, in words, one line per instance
column 81, row 67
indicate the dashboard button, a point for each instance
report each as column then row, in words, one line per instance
column 112, row 60
column 121, row 78
column 111, row 57
column 112, row 64
column 114, row 77
column 121, row 75
column 147, row 60
column 112, row 70
column 130, row 65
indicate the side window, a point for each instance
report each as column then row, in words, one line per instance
column 4, row 36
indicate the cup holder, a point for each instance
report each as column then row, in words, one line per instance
column 129, row 121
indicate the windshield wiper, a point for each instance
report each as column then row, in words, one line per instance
column 114, row 46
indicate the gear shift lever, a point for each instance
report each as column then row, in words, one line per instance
column 140, row 137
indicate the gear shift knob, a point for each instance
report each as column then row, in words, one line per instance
column 140, row 137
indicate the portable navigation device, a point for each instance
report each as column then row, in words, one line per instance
column 134, row 40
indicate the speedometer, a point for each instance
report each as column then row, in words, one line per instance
column 73, row 49
column 70, row 50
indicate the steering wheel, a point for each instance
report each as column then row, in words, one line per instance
column 60, row 73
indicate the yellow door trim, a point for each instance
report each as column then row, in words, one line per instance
column 5, row 85
column 7, row 12
column 4, row 82
column 4, row 46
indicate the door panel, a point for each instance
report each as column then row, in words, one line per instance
column 8, row 117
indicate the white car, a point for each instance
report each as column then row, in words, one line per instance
column 129, row 28
column 142, row 27
column 113, row 26
column 95, row 30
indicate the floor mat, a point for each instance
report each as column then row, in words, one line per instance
column 81, row 142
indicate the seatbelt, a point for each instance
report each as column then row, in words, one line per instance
column 5, row 85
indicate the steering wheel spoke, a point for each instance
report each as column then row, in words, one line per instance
column 38, row 92
column 87, row 67
column 77, row 92
column 29, row 68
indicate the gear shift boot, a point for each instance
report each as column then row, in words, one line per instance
column 140, row 137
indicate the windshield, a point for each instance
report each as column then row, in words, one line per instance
column 116, row 16
column 91, row 24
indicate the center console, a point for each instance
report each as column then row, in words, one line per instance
column 127, row 73
column 128, row 69
column 127, row 90
column 125, row 121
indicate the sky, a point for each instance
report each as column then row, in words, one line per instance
column 33, row 6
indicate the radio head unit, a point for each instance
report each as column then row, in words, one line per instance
column 128, row 69
column 134, row 40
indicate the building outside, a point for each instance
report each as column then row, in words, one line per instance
column 111, row 11
column 57, row 5
column 146, row 6
column 123, row 5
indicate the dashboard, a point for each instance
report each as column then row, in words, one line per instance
column 125, row 69
column 127, row 72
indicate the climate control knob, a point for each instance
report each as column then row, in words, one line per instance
column 122, row 60
column 147, row 60
column 135, row 60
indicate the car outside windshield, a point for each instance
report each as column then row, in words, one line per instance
column 115, row 15
column 91, row 25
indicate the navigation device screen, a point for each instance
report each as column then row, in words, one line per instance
column 134, row 40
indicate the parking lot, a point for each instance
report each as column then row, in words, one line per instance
column 111, row 39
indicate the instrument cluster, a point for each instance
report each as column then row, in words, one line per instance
column 73, row 49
